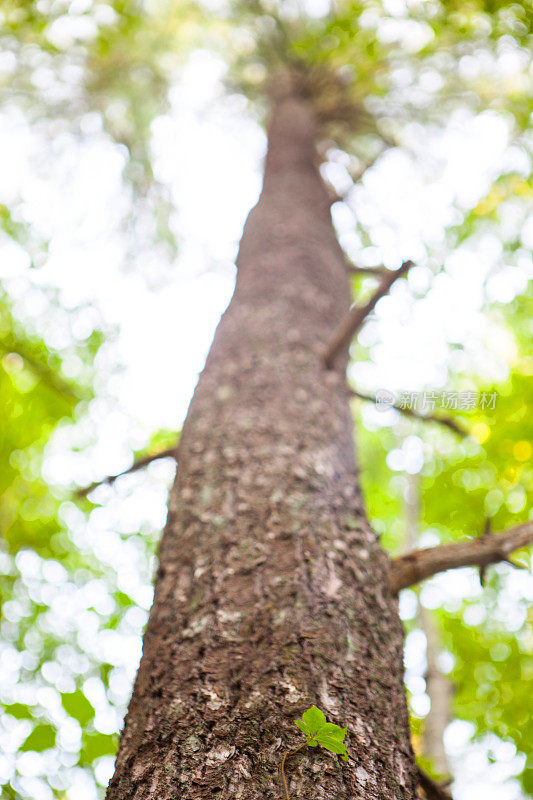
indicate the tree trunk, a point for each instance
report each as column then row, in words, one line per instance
column 439, row 691
column 438, row 687
column 272, row 592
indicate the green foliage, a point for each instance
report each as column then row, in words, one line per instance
column 124, row 56
column 96, row 745
column 18, row 710
column 76, row 705
column 317, row 730
column 463, row 482
column 37, row 398
column 492, row 672
column 41, row 738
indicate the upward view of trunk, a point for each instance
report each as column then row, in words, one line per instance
column 271, row 593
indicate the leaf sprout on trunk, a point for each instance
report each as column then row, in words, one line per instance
column 317, row 731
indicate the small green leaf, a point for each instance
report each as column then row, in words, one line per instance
column 303, row 727
column 318, row 731
column 335, row 731
column 331, row 744
column 314, row 718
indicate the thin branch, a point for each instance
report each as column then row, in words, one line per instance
column 285, row 757
column 169, row 452
column 356, row 316
column 420, row 564
column 49, row 376
column 448, row 422
column 372, row 272
column 432, row 789
column 487, row 531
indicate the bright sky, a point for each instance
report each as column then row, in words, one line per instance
column 209, row 150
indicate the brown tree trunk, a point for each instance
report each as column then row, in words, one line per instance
column 438, row 687
column 271, row 593
column 440, row 693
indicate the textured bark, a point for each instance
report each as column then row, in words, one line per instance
column 272, row 590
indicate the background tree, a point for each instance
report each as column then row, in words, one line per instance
column 371, row 106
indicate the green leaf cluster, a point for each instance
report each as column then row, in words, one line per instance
column 318, row 730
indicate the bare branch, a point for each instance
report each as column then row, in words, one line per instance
column 49, row 376
column 372, row 272
column 168, row 452
column 432, row 789
column 487, row 531
column 356, row 316
column 448, row 422
column 420, row 564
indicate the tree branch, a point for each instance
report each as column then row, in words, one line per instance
column 448, row 422
column 169, row 452
column 356, row 316
column 420, row 564
column 372, row 272
column 432, row 789
column 49, row 376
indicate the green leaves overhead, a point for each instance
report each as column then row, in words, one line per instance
column 487, row 637
column 318, row 731
column 110, row 67
column 96, row 745
column 41, row 738
column 76, row 705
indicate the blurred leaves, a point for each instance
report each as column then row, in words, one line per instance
column 41, row 738
column 490, row 636
column 76, row 705
column 101, row 65
column 96, row 745
column 36, row 397
column 50, row 582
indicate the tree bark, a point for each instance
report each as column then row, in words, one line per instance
column 272, row 590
